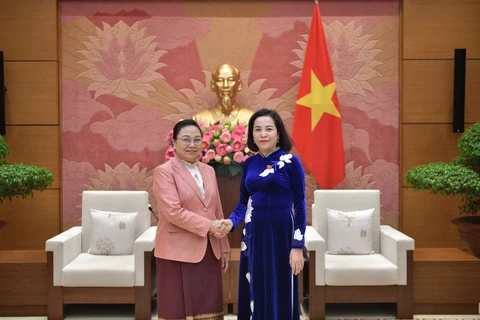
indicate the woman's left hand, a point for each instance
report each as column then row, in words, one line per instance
column 225, row 261
column 296, row 260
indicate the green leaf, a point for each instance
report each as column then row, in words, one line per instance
column 4, row 150
column 459, row 177
column 227, row 170
column 20, row 180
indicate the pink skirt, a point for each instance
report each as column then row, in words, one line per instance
column 190, row 291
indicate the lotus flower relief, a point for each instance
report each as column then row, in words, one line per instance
column 252, row 96
column 121, row 61
column 352, row 55
column 355, row 179
column 122, row 177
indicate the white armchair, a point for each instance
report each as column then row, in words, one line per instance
column 386, row 276
column 78, row 277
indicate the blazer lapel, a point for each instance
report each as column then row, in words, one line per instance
column 207, row 177
column 183, row 172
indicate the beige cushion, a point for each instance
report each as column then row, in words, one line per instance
column 113, row 233
column 89, row 270
column 350, row 232
column 361, row 270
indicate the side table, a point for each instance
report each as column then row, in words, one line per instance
column 446, row 281
column 23, row 283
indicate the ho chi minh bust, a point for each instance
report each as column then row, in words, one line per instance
column 225, row 83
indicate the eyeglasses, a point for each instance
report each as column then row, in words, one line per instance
column 187, row 141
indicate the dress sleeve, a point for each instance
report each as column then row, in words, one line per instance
column 238, row 213
column 297, row 180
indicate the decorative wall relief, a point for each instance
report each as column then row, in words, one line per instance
column 130, row 70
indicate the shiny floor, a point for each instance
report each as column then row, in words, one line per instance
column 334, row 312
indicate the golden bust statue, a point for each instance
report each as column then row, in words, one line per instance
column 225, row 83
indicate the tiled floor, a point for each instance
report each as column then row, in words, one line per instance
column 343, row 312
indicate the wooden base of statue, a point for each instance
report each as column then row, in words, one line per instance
column 229, row 189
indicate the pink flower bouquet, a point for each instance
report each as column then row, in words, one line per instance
column 223, row 147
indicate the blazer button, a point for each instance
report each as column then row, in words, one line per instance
column 204, row 209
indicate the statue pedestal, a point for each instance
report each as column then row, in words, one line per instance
column 229, row 189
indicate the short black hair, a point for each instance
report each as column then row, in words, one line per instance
column 285, row 142
column 182, row 124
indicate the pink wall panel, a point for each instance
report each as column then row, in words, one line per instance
column 130, row 70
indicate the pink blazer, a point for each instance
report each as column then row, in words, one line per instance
column 182, row 232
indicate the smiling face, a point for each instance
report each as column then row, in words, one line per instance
column 188, row 143
column 265, row 134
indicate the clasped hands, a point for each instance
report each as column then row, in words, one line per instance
column 220, row 228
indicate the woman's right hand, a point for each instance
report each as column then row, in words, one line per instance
column 220, row 228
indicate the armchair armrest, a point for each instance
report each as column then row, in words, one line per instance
column 394, row 245
column 65, row 246
column 315, row 242
column 144, row 243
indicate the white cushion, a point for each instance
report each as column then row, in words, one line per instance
column 345, row 200
column 117, row 201
column 88, row 270
column 361, row 270
column 350, row 232
column 113, row 233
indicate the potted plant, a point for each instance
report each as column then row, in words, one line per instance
column 20, row 180
column 459, row 177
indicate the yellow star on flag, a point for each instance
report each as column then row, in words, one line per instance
column 319, row 100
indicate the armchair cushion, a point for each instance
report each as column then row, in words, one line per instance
column 350, row 232
column 89, row 270
column 113, row 233
column 361, row 270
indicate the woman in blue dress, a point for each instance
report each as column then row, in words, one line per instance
column 273, row 207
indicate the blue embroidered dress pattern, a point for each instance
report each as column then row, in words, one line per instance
column 271, row 186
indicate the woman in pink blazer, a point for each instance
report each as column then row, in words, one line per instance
column 190, row 260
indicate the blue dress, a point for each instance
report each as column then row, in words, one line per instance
column 272, row 205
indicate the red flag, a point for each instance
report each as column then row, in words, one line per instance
column 317, row 124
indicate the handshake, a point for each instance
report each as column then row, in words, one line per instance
column 220, row 228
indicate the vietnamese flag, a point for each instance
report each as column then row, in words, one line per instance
column 317, row 124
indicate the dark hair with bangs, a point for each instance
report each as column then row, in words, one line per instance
column 182, row 124
column 285, row 142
